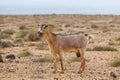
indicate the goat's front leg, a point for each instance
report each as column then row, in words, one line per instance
column 54, row 63
column 61, row 62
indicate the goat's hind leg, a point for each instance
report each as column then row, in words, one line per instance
column 82, row 67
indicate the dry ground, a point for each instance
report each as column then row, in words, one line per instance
column 106, row 29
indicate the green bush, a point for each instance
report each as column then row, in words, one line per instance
column 115, row 62
column 23, row 53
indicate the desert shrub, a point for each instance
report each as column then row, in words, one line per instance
column 99, row 48
column 22, row 27
column 23, row 53
column 112, row 43
column 115, row 62
column 31, row 25
column 18, row 42
column 94, row 26
column 89, row 49
column 73, row 59
column 21, row 34
column 6, row 33
column 3, row 36
column 118, row 39
column 32, row 36
column 4, row 44
column 40, row 47
column 46, row 59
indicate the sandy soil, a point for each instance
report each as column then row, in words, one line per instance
column 97, row 67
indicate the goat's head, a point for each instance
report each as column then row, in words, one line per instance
column 41, row 29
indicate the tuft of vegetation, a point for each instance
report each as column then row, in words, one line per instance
column 32, row 36
column 112, row 43
column 118, row 39
column 73, row 59
column 22, row 27
column 21, row 34
column 89, row 49
column 23, row 53
column 4, row 44
column 6, row 33
column 99, row 48
column 94, row 26
column 40, row 47
column 18, row 42
column 115, row 62
column 46, row 59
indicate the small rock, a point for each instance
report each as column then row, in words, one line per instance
column 1, row 60
column 10, row 56
column 112, row 74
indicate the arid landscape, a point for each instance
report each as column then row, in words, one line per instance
column 31, row 59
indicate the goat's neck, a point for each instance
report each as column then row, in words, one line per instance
column 50, row 37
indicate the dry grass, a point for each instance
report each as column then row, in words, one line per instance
column 6, row 33
column 5, row 44
column 115, row 62
column 32, row 36
column 23, row 53
column 46, row 59
column 104, row 48
column 112, row 43
column 40, row 47
column 21, row 34
column 118, row 39
column 73, row 59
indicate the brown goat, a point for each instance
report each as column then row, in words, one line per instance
column 58, row 43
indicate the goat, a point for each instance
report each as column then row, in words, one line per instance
column 64, row 43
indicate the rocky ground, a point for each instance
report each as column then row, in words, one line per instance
column 106, row 31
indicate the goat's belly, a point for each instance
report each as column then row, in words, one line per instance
column 69, row 49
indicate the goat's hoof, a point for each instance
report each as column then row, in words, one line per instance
column 79, row 72
column 54, row 72
column 62, row 72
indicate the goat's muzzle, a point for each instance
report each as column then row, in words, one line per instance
column 40, row 34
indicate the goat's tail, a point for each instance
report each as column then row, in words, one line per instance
column 90, row 36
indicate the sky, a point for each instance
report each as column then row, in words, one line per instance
column 60, row 6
